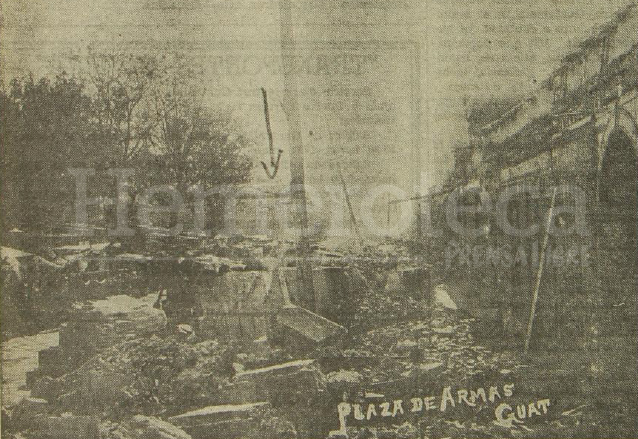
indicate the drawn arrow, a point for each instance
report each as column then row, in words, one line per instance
column 274, row 161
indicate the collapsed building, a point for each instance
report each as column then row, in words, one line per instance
column 579, row 132
column 251, row 306
column 578, row 128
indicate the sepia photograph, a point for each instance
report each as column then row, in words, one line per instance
column 307, row 219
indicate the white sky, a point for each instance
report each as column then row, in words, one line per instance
column 470, row 48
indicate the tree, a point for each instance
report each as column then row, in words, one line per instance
column 152, row 105
column 193, row 145
column 46, row 126
column 121, row 85
column 142, row 112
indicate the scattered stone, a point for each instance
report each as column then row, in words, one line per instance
column 26, row 411
column 276, row 369
column 240, row 392
column 393, row 283
column 403, row 431
column 288, row 383
column 428, row 367
column 343, row 381
column 185, row 329
column 101, row 324
column 444, row 331
column 276, row 427
column 406, row 345
column 216, row 413
column 66, row 427
column 424, row 343
column 143, row 427
column 149, row 375
column 228, row 421
column 442, row 298
column 344, row 376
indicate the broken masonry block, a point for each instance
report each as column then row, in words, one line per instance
column 228, row 421
column 301, row 330
column 67, row 427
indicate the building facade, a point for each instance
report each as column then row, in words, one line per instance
column 579, row 132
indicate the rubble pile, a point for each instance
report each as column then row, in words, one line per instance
column 146, row 375
column 180, row 388
column 386, row 285
column 124, row 371
column 22, row 276
column 418, row 357
column 406, row 348
column 97, row 325
column 40, row 286
column 376, row 308
column 141, row 427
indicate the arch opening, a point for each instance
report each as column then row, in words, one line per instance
column 618, row 195
column 619, row 174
